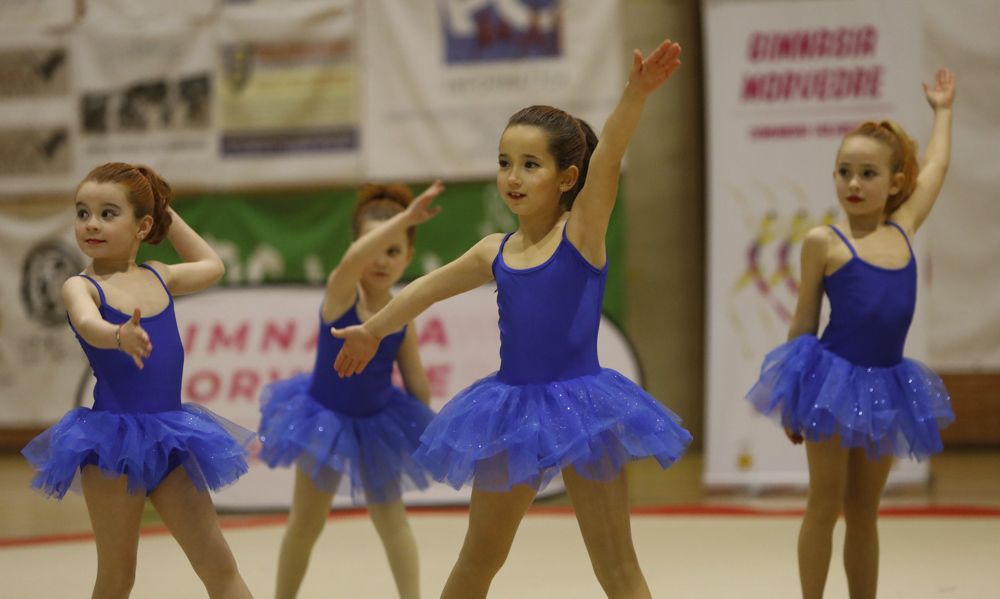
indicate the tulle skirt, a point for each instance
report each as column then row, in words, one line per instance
column 371, row 453
column 499, row 435
column 143, row 446
column 897, row 410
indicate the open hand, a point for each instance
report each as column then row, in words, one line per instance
column 133, row 340
column 420, row 209
column 358, row 350
column 942, row 93
column 653, row 71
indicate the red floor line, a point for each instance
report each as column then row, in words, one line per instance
column 235, row 522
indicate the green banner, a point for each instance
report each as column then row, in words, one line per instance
column 298, row 237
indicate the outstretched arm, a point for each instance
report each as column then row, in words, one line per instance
column 588, row 221
column 914, row 211
column 472, row 269
column 81, row 302
column 201, row 267
column 341, row 285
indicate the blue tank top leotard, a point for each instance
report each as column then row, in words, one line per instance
column 362, row 427
column 551, row 405
column 854, row 382
column 138, row 426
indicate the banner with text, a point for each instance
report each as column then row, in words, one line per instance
column 785, row 82
column 443, row 77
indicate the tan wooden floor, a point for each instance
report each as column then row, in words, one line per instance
column 687, row 547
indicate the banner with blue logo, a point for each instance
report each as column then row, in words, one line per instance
column 442, row 78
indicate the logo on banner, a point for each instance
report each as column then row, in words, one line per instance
column 494, row 30
column 46, row 267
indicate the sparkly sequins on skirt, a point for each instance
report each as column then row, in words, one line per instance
column 143, row 446
column 371, row 452
column 888, row 411
column 501, row 435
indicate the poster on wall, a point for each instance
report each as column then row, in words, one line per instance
column 443, row 77
column 41, row 365
column 145, row 95
column 288, row 90
column 36, row 16
column 785, row 81
column 36, row 114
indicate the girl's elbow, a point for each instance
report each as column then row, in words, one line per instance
column 218, row 270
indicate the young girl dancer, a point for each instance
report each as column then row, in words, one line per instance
column 139, row 440
column 851, row 395
column 363, row 428
column 551, row 407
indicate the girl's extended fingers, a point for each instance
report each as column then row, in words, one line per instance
column 344, row 368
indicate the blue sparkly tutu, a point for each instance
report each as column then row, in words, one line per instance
column 888, row 411
column 143, row 446
column 372, row 452
column 501, row 435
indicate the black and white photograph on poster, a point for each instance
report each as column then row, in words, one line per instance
column 29, row 73
column 34, row 152
column 145, row 95
column 146, row 106
column 36, row 120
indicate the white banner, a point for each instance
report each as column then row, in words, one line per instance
column 289, row 93
column 21, row 16
column 145, row 95
column 965, row 245
column 238, row 340
column 785, row 82
column 41, row 365
column 37, row 113
column 443, row 77
column 232, row 96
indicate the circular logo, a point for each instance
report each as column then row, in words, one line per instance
column 46, row 268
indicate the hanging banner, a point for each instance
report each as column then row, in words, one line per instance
column 444, row 76
column 36, row 113
column 963, row 38
column 41, row 364
column 786, row 81
column 36, row 16
column 142, row 10
column 289, row 93
column 145, row 95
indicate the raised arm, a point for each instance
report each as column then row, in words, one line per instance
column 937, row 157
column 341, row 285
column 200, row 266
column 81, row 301
column 470, row 270
column 588, row 220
